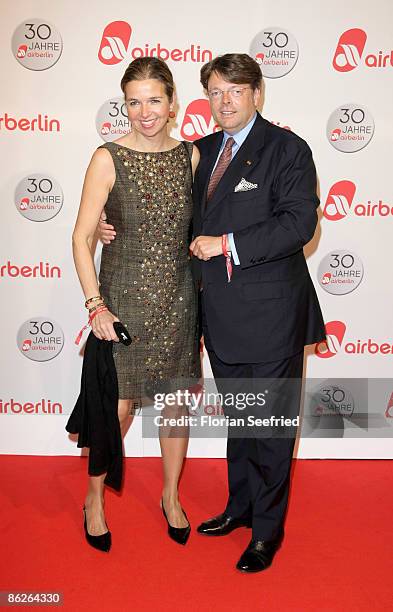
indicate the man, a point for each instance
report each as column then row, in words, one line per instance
column 255, row 201
column 255, row 209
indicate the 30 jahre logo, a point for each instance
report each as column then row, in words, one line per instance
column 276, row 51
column 340, row 272
column 38, row 197
column 112, row 119
column 36, row 44
column 331, row 399
column 40, row 339
column 350, row 128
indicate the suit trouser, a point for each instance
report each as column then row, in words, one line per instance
column 259, row 462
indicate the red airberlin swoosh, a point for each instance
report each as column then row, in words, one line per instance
column 114, row 42
column 197, row 120
column 339, row 200
column 349, row 50
column 335, row 332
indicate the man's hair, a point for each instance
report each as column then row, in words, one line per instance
column 236, row 68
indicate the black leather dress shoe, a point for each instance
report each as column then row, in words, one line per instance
column 222, row 525
column 258, row 555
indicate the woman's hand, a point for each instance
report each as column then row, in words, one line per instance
column 102, row 326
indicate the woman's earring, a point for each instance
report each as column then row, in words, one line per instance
column 172, row 114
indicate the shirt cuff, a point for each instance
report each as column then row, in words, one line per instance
column 235, row 256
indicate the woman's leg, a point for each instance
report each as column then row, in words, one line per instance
column 174, row 442
column 94, row 502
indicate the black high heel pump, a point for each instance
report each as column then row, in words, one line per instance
column 101, row 542
column 178, row 534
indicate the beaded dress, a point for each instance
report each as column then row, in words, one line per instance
column 145, row 275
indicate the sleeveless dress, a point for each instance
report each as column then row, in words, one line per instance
column 145, row 274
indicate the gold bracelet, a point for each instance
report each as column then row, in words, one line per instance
column 90, row 310
column 93, row 299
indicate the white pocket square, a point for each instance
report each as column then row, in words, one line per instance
column 245, row 186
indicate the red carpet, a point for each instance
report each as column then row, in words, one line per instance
column 337, row 553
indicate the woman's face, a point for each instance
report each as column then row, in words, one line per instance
column 148, row 106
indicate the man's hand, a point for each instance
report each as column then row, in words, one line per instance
column 205, row 247
column 106, row 232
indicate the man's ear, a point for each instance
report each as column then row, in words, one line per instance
column 257, row 96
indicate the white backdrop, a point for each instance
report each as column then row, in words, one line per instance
column 333, row 72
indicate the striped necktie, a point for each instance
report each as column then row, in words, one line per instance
column 222, row 165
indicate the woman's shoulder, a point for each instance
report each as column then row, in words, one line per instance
column 123, row 141
column 102, row 163
column 103, row 155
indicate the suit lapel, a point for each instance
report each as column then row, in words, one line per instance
column 240, row 166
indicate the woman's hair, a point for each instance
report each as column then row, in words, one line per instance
column 149, row 68
column 236, row 68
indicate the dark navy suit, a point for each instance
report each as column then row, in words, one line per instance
column 256, row 326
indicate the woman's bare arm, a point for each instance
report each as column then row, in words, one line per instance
column 99, row 180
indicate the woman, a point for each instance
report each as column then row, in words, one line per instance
column 144, row 181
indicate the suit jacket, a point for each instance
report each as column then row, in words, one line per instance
column 270, row 310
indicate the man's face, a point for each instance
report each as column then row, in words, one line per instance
column 232, row 113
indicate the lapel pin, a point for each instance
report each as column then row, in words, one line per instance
column 248, row 162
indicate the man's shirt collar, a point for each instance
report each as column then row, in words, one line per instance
column 241, row 136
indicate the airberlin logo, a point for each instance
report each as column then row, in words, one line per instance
column 115, row 47
column 340, row 199
column 114, row 43
column 335, row 333
column 198, row 121
column 44, row 406
column 40, row 123
column 40, row 270
column 349, row 53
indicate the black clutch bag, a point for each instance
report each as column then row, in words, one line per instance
column 122, row 333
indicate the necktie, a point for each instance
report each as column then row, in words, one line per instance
column 222, row 165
